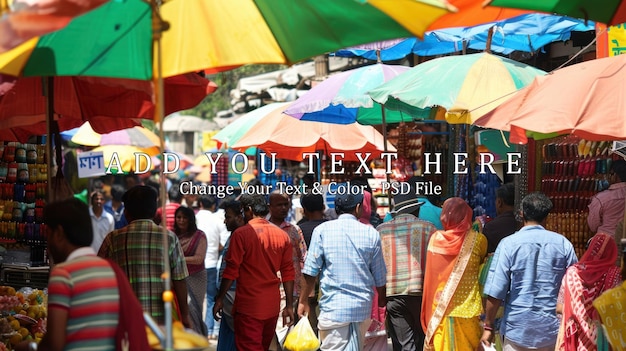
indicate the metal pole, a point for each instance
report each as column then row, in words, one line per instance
column 48, row 87
column 387, row 175
column 158, row 26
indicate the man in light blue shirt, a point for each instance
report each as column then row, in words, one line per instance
column 348, row 257
column 526, row 274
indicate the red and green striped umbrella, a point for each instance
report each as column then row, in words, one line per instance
column 115, row 39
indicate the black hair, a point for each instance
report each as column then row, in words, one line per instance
column 174, row 193
column 94, row 193
column 231, row 204
column 117, row 192
column 73, row 216
column 97, row 185
column 506, row 192
column 312, row 202
column 191, row 217
column 256, row 202
column 535, row 207
column 140, row 202
column 207, row 201
column 619, row 167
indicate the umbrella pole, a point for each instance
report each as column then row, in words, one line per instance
column 48, row 87
column 158, row 26
column 387, row 175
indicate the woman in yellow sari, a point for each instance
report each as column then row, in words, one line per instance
column 451, row 302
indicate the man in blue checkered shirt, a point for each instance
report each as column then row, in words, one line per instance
column 347, row 256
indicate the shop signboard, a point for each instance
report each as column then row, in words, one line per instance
column 90, row 164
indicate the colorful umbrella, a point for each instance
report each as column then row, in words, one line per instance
column 135, row 136
column 528, row 32
column 585, row 99
column 609, row 11
column 116, row 38
column 343, row 99
column 109, row 104
column 471, row 13
column 290, row 138
column 230, row 134
column 467, row 86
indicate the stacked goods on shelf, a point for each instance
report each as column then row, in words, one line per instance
column 23, row 176
column 573, row 171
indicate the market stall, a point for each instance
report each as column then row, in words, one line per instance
column 24, row 266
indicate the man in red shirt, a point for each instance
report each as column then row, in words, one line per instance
column 257, row 251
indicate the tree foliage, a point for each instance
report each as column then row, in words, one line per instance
column 227, row 81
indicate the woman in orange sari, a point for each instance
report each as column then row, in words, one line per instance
column 583, row 282
column 451, row 301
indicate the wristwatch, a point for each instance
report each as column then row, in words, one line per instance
column 32, row 346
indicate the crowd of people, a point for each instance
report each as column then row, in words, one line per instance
column 428, row 277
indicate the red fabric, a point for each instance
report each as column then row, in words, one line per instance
column 366, row 212
column 598, row 259
column 191, row 250
column 257, row 251
column 584, row 281
column 108, row 104
column 456, row 218
column 253, row 334
column 132, row 327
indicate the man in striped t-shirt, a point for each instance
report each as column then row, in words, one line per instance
column 83, row 298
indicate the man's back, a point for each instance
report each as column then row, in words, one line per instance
column 499, row 228
column 347, row 254
column 256, row 252
column 87, row 288
column 529, row 265
column 307, row 228
column 138, row 250
column 404, row 243
column 607, row 209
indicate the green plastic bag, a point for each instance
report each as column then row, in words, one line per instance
column 302, row 337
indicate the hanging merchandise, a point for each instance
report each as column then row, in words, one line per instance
column 410, row 148
column 573, row 171
column 22, row 198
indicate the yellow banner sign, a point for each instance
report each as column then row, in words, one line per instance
column 617, row 40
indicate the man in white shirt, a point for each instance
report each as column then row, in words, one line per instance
column 102, row 222
column 214, row 228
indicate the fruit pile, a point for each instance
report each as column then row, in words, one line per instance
column 24, row 315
